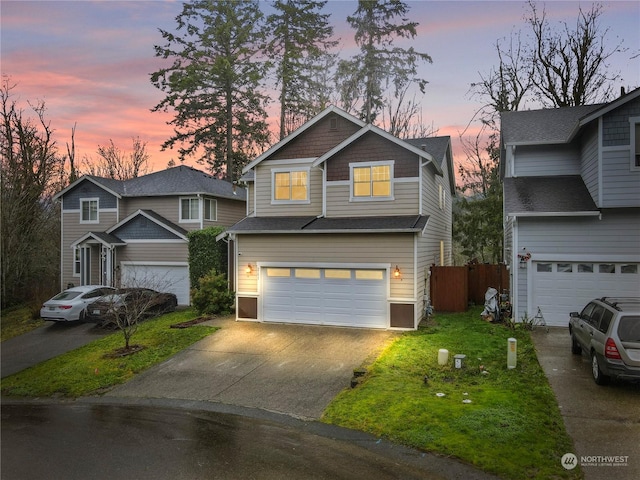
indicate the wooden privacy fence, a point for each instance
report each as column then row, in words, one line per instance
column 454, row 288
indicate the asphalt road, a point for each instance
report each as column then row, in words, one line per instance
column 81, row 441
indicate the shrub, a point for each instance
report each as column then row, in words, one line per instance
column 212, row 296
column 205, row 254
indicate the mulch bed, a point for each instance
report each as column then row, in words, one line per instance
column 190, row 323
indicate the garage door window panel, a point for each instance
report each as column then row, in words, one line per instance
column 565, row 268
column 278, row 272
column 585, row 268
column 544, row 267
column 337, row 274
column 630, row 268
column 307, row 273
column 369, row 275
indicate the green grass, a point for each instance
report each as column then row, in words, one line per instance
column 86, row 370
column 512, row 427
column 18, row 320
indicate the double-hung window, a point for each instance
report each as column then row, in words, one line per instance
column 371, row 181
column 210, row 209
column 89, row 210
column 291, row 186
column 190, row 209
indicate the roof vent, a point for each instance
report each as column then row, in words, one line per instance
column 423, row 147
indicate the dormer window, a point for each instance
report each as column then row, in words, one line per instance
column 89, row 210
column 290, row 186
column 371, row 181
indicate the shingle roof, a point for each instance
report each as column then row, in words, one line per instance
column 552, row 125
column 557, row 194
column 436, row 146
column 404, row 223
column 181, row 180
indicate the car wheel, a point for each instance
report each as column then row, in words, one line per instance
column 576, row 349
column 599, row 377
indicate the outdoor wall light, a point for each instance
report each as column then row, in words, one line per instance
column 249, row 270
column 396, row 272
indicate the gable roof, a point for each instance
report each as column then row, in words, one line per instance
column 181, row 180
column 546, row 126
column 104, row 238
column 547, row 196
column 154, row 217
column 315, row 120
column 554, row 125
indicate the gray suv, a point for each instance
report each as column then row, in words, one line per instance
column 608, row 330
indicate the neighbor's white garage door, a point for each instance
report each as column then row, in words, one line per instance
column 327, row 296
column 164, row 278
column 560, row 288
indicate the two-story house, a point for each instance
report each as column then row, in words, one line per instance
column 134, row 232
column 343, row 222
column 572, row 205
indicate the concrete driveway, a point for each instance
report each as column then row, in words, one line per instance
column 296, row 370
column 603, row 421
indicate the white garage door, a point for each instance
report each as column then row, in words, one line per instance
column 164, row 278
column 563, row 287
column 327, row 296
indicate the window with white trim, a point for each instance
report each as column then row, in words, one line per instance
column 210, row 209
column 371, row 181
column 190, row 209
column 290, row 185
column 89, row 210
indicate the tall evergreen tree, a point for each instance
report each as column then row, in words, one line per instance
column 380, row 65
column 301, row 42
column 214, row 83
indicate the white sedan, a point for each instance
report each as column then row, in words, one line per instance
column 70, row 305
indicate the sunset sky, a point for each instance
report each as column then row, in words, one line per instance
column 90, row 61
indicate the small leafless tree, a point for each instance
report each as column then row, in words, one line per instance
column 142, row 296
column 112, row 162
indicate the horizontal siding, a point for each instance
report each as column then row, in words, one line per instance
column 263, row 193
column 168, row 207
column 589, row 168
column 405, row 202
column 361, row 249
column 229, row 211
column 617, row 233
column 547, row 160
column 620, row 185
column 153, row 252
column 439, row 227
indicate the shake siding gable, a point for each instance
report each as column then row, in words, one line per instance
column 373, row 148
column 318, row 139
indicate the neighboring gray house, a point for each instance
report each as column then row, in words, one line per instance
column 344, row 221
column 571, row 205
column 134, row 232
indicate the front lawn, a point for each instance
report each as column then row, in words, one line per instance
column 503, row 421
column 91, row 370
column 18, row 320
